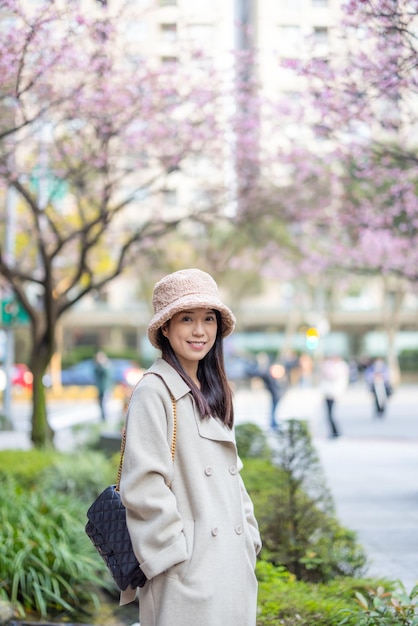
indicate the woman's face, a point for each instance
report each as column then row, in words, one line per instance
column 192, row 334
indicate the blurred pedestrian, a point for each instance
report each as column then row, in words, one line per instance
column 103, row 381
column 292, row 367
column 335, row 375
column 262, row 369
column 378, row 379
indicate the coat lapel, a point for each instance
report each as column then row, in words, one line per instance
column 212, row 428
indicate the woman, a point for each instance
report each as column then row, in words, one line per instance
column 191, row 521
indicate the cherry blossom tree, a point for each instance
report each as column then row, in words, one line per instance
column 90, row 134
column 363, row 104
column 352, row 175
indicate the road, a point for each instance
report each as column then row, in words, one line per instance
column 372, row 469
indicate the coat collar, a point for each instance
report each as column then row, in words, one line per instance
column 172, row 379
column 211, row 428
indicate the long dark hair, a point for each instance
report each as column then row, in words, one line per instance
column 214, row 398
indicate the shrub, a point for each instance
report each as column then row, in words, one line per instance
column 408, row 360
column 80, row 353
column 296, row 514
column 27, row 466
column 251, row 441
column 83, row 474
column 47, row 563
column 382, row 607
column 285, row 601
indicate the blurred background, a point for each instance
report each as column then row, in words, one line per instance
column 272, row 144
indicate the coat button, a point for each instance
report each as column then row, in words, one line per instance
column 214, row 531
column 233, row 470
column 238, row 529
column 208, row 470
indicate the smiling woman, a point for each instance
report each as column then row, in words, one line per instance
column 191, row 335
column 191, row 521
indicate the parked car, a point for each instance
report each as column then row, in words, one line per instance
column 123, row 371
column 21, row 377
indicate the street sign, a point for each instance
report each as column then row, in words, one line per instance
column 13, row 312
column 55, row 188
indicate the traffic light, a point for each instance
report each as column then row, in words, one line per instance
column 312, row 338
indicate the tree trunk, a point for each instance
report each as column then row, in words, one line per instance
column 42, row 434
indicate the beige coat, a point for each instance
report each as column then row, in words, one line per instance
column 192, row 522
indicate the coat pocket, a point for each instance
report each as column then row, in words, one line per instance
column 179, row 570
column 250, row 548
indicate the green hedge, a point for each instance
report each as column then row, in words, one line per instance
column 284, row 601
column 83, row 475
column 408, row 360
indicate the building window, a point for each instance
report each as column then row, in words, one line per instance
column 169, row 197
column 320, row 35
column 169, row 60
column 169, row 32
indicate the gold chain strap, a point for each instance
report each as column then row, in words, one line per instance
column 174, row 439
column 173, row 442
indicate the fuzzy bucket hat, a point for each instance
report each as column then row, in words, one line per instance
column 182, row 290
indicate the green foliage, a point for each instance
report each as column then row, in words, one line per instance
column 251, row 441
column 378, row 607
column 408, row 360
column 285, row 601
column 27, row 466
column 80, row 353
column 47, row 563
column 295, row 512
column 84, row 474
